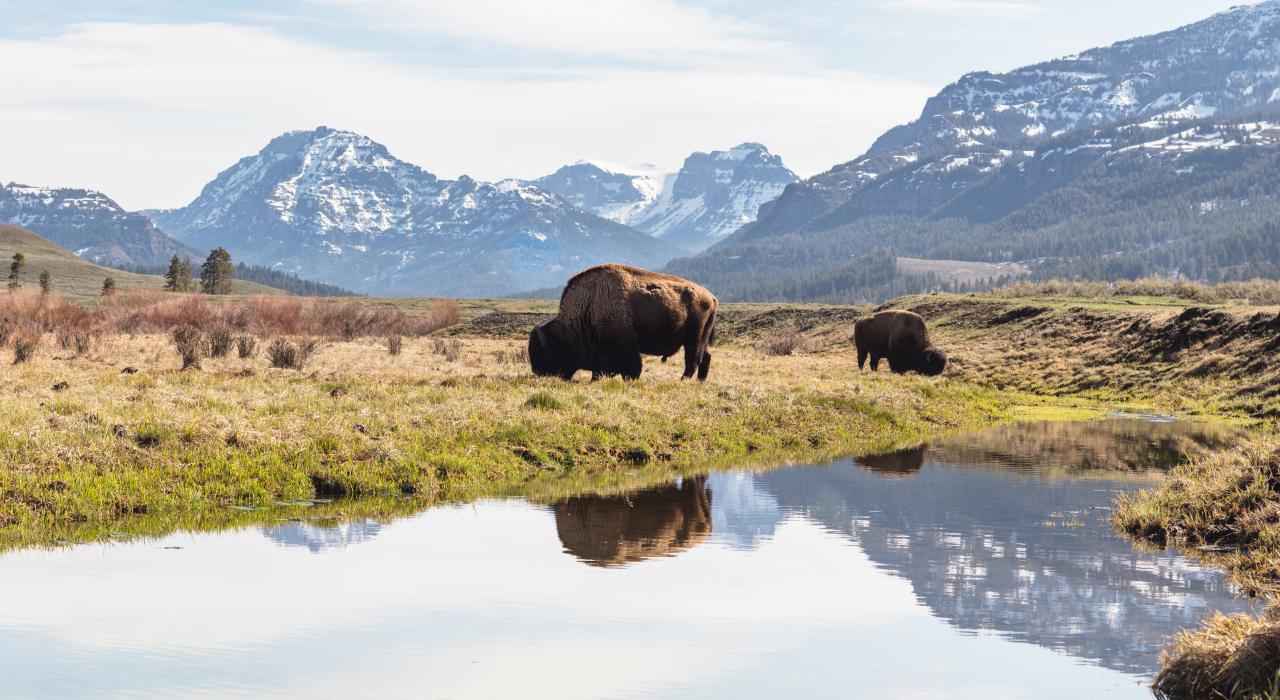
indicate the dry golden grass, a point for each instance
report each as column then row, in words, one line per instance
column 1232, row 657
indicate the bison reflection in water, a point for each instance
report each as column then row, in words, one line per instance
column 895, row 465
column 613, row 531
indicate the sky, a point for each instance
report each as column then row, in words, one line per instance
column 147, row 100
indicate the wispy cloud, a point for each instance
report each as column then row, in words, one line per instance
column 650, row 30
column 150, row 112
column 973, row 7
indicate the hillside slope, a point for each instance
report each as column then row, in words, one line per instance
column 74, row 277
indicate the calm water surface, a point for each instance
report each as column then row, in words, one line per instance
column 979, row 567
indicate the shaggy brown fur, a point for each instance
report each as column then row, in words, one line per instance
column 899, row 337
column 610, row 315
column 617, row 530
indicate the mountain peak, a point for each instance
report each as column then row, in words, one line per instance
column 709, row 197
column 338, row 205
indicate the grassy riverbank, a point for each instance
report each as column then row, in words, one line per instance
column 85, row 443
column 1226, row 508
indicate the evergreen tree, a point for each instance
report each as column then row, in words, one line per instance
column 109, row 287
column 46, row 281
column 217, row 272
column 15, row 269
column 178, row 277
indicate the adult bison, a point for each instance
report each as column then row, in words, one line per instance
column 901, row 338
column 610, row 315
column 611, row 531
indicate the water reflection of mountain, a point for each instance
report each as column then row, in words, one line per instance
column 742, row 514
column 317, row 537
column 621, row 529
column 1028, row 556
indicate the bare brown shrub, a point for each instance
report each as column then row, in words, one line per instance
column 25, row 342
column 517, row 356
column 782, row 343
column 191, row 346
column 136, row 312
column 287, row 355
column 443, row 313
column 220, row 340
column 246, row 346
column 451, row 348
column 395, row 344
column 78, row 339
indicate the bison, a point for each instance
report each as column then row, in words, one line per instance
column 612, row 531
column 901, row 338
column 610, row 315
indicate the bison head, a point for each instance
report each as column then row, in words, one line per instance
column 932, row 362
column 549, row 352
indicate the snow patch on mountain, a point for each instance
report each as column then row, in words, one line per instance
column 89, row 223
column 712, row 194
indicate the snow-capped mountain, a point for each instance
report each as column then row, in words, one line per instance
column 1158, row 155
column 1228, row 63
column 616, row 192
column 338, row 207
column 711, row 196
column 88, row 223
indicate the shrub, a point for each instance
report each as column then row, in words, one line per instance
column 451, row 348
column 78, row 339
column 6, row 331
column 782, row 343
column 190, row 343
column 25, row 342
column 443, row 314
column 395, row 344
column 220, row 341
column 286, row 355
column 518, row 356
column 246, row 346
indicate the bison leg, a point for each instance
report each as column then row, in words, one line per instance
column 875, row 362
column 862, row 359
column 692, row 358
column 897, row 366
column 631, row 365
column 705, row 366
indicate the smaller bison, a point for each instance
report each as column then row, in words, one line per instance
column 610, row 315
column 901, row 338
